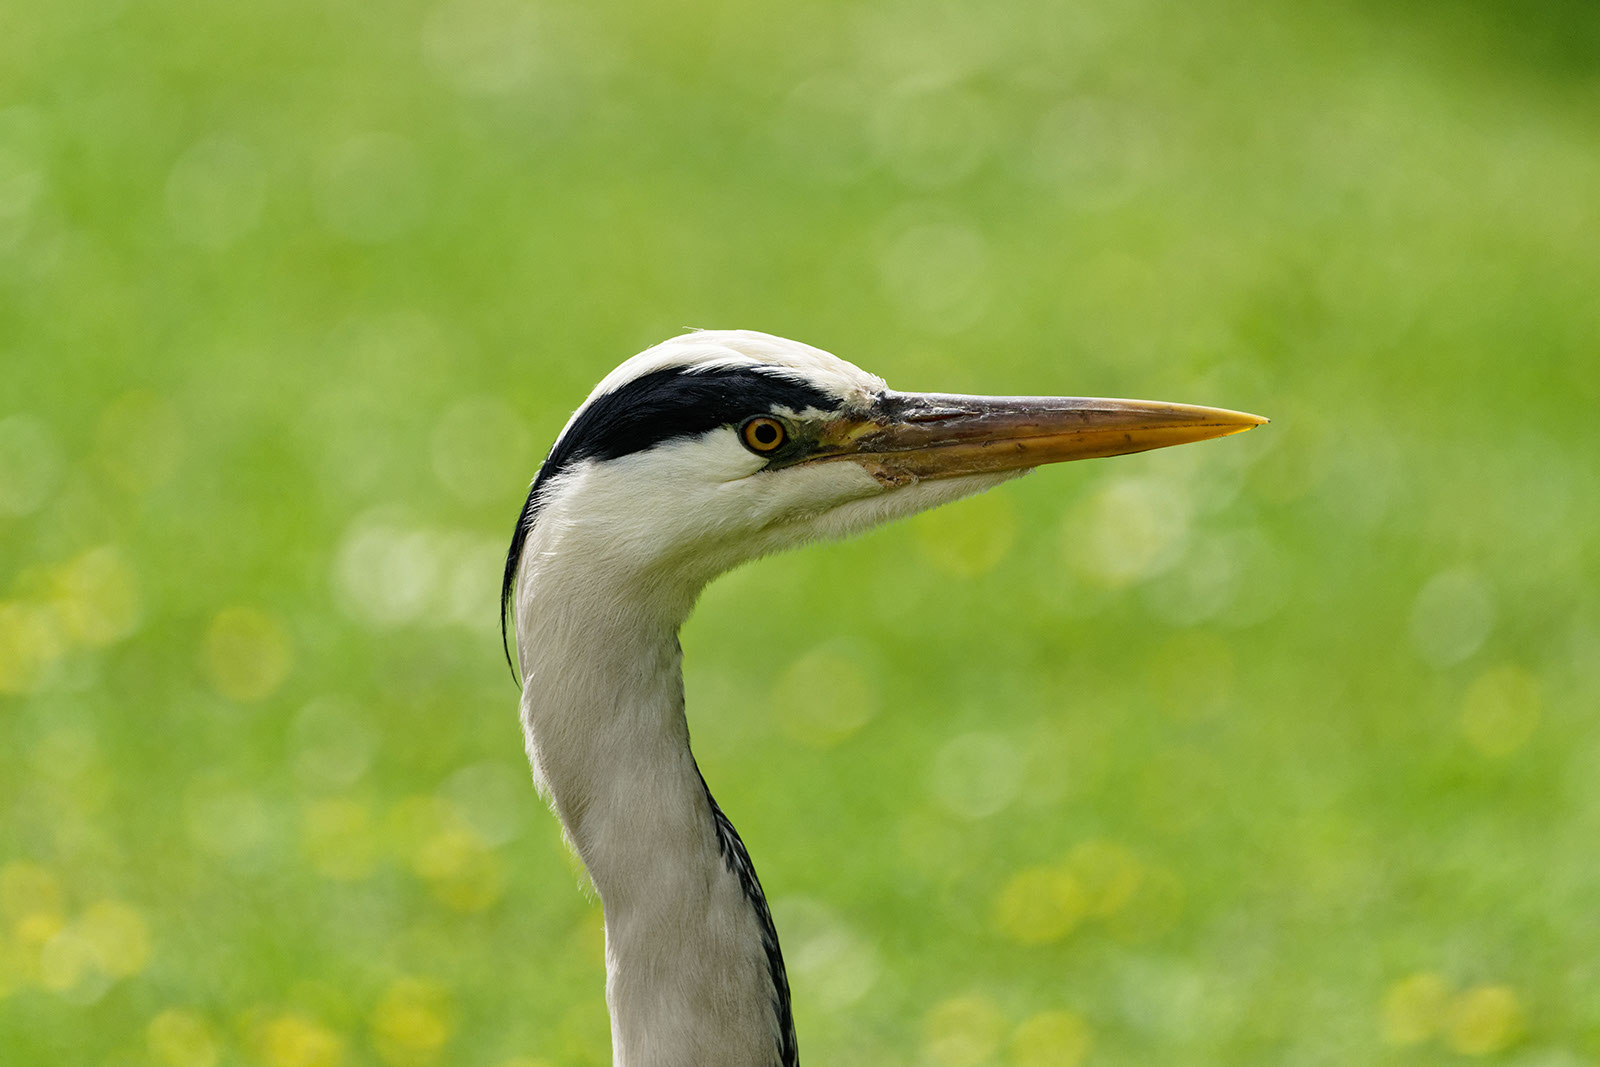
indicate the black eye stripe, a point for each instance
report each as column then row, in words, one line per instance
column 654, row 408
column 666, row 405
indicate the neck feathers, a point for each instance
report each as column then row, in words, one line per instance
column 695, row 977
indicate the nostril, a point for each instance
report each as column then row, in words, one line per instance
column 935, row 415
column 912, row 408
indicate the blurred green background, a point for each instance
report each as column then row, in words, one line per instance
column 1277, row 750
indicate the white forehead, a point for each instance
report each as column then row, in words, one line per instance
column 705, row 349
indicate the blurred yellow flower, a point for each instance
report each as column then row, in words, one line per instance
column 340, row 839
column 32, row 905
column 97, row 597
column 246, row 654
column 181, row 1038
column 119, row 937
column 963, row 1031
column 446, row 852
column 291, row 1040
column 30, row 640
column 1501, row 710
column 1413, row 1009
column 412, row 1023
column 461, row 869
column 1038, row 905
column 28, row 890
column 476, row 880
column 1051, row 1039
column 1108, row 873
column 1484, row 1020
column 66, row 960
column 39, row 927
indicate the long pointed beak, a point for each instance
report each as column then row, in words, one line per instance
column 909, row 437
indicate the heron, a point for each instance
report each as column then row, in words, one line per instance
column 694, row 456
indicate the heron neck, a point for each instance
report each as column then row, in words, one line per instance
column 693, row 970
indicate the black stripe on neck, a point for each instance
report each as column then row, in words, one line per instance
column 664, row 405
column 737, row 860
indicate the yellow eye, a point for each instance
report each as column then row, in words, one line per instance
column 762, row 435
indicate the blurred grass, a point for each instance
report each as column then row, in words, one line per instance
column 1279, row 750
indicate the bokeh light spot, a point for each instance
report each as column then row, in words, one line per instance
column 215, row 192
column 23, row 178
column 247, row 654
column 1038, row 905
column 98, row 597
column 468, row 564
column 119, row 936
column 36, row 929
column 233, row 824
column 1052, row 1039
column 385, row 574
column 371, row 188
column 28, row 889
column 340, row 839
column 1127, row 531
column 494, row 799
column 1200, row 586
column 836, row 965
column 331, row 744
column 1414, row 1009
column 182, row 1038
column 1451, row 617
column 976, row 775
column 30, row 641
column 1108, row 873
column 826, row 695
column 412, row 1023
column 935, row 271
column 483, row 47
column 139, row 441
column 819, row 131
column 930, row 134
column 963, row 1031
column 291, row 1040
column 461, row 869
column 1484, row 1020
column 970, row 538
column 1092, row 151
column 30, row 464
column 66, row 961
column 1501, row 710
column 67, row 753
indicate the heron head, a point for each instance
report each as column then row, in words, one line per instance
column 720, row 446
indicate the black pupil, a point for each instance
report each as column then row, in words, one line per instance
column 766, row 433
